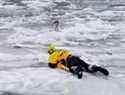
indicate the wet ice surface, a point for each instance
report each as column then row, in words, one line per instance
column 25, row 32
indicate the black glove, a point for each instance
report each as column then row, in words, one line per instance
column 52, row 65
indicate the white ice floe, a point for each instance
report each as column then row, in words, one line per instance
column 88, row 37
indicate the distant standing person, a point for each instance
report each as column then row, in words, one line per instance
column 55, row 24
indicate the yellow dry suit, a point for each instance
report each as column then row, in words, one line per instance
column 58, row 57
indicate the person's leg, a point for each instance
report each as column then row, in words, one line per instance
column 88, row 67
column 96, row 68
column 74, row 66
column 83, row 66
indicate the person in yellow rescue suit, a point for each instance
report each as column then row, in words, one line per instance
column 64, row 59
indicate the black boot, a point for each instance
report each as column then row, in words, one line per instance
column 76, row 70
column 100, row 69
column 103, row 70
column 79, row 74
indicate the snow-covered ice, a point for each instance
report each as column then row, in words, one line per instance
column 96, row 36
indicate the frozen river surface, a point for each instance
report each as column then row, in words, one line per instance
column 98, row 36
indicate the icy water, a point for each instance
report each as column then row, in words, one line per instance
column 91, row 31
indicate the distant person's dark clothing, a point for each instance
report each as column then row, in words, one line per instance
column 56, row 25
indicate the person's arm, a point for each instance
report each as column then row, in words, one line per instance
column 61, row 66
